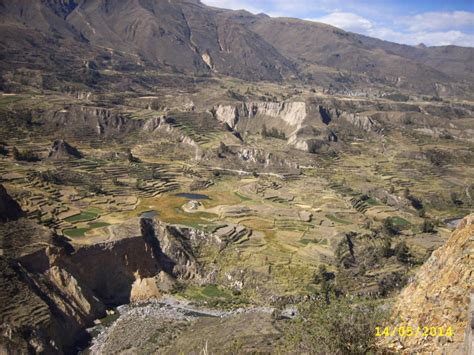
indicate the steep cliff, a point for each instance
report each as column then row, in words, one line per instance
column 439, row 296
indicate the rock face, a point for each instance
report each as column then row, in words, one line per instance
column 10, row 210
column 307, row 125
column 439, row 296
column 289, row 114
column 63, row 150
column 365, row 123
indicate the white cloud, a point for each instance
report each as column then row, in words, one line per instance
column 430, row 28
column 347, row 21
column 438, row 21
column 437, row 38
column 413, row 35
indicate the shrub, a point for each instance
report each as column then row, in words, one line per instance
column 50, row 176
column 386, row 248
column 24, row 155
column 3, row 150
column 343, row 326
column 427, row 227
column 402, row 252
column 273, row 133
column 389, row 228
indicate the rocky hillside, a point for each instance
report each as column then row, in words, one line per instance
column 439, row 296
column 74, row 41
column 52, row 289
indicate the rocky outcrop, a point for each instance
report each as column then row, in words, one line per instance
column 291, row 114
column 10, row 210
column 63, row 150
column 248, row 159
column 439, row 296
column 360, row 121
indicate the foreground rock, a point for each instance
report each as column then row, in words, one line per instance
column 439, row 296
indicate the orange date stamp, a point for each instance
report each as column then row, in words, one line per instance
column 410, row 331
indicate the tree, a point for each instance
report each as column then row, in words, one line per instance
column 131, row 158
column 24, row 155
column 16, row 153
column 3, row 150
column 427, row 227
column 455, row 199
column 386, row 249
column 388, row 228
column 402, row 252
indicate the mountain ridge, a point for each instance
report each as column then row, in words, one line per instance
column 191, row 38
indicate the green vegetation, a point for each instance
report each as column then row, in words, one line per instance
column 272, row 133
column 336, row 219
column 389, row 228
column 214, row 296
column 343, row 326
column 242, row 197
column 402, row 252
column 427, row 227
column 80, row 232
column 24, row 155
column 399, row 221
column 84, row 216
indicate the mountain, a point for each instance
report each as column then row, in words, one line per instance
column 73, row 40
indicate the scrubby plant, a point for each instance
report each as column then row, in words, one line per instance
column 402, row 252
column 427, row 226
column 273, row 133
column 24, row 155
column 386, row 248
column 344, row 326
column 3, row 150
column 389, row 228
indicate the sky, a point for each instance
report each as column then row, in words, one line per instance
column 433, row 22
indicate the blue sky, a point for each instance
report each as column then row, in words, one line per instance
column 434, row 23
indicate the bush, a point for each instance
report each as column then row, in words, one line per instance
column 427, row 227
column 402, row 252
column 386, row 249
column 455, row 199
column 50, row 177
column 389, row 228
column 343, row 326
column 273, row 133
column 24, row 155
column 131, row 158
column 3, row 150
